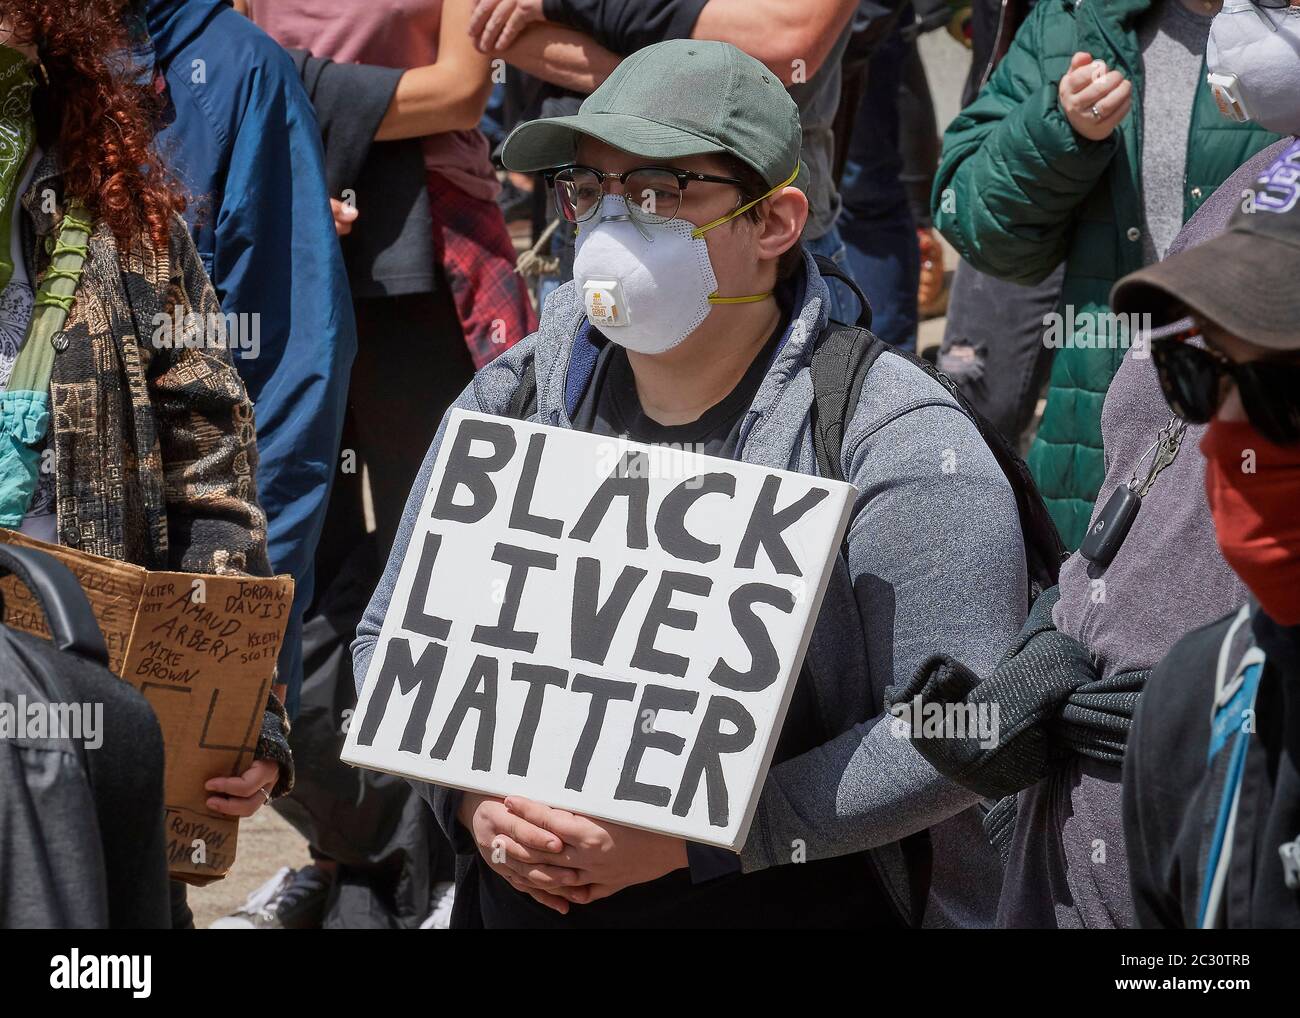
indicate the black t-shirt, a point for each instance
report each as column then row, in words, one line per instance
column 610, row 406
column 840, row 892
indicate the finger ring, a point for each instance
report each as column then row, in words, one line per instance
column 1096, row 113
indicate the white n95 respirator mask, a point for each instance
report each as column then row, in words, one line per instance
column 648, row 285
column 1253, row 57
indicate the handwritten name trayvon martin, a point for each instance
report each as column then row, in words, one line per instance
column 726, row 725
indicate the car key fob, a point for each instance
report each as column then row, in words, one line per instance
column 1111, row 526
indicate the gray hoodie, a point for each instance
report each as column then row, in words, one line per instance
column 1068, row 867
column 934, row 564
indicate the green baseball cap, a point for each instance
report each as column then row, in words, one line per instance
column 677, row 98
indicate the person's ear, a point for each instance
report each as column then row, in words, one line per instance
column 784, row 215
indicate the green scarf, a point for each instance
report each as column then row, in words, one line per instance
column 17, row 135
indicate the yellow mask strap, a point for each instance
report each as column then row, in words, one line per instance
column 700, row 231
column 753, row 299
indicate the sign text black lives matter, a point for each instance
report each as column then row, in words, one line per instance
column 602, row 626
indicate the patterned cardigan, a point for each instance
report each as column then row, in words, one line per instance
column 155, row 454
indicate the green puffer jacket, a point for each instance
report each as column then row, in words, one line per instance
column 1018, row 192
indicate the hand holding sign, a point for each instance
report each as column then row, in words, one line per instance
column 242, row 796
column 599, row 858
column 609, row 628
column 503, row 839
column 202, row 651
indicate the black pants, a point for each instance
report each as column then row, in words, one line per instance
column 1001, row 361
column 411, row 365
column 182, row 917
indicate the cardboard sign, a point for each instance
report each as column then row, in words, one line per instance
column 607, row 627
column 202, row 650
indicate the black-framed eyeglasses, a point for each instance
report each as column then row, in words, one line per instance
column 1191, row 378
column 653, row 193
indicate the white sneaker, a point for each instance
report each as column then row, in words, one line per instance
column 444, row 894
column 259, row 911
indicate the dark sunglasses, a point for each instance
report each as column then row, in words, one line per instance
column 1191, row 378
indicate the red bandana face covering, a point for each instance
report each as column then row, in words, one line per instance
column 1253, row 488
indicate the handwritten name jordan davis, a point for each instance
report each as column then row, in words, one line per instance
column 631, row 632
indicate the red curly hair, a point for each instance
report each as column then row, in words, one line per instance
column 99, row 118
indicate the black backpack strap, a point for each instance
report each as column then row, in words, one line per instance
column 1044, row 549
column 72, row 625
column 840, row 362
column 830, row 270
column 523, row 403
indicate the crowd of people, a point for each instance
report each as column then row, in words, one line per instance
column 396, row 209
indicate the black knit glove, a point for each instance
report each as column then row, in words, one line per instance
column 273, row 744
column 1028, row 690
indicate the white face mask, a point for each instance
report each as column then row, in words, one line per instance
column 649, row 286
column 1254, row 61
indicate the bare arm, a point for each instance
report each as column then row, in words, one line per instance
column 448, row 95
column 777, row 32
column 562, row 57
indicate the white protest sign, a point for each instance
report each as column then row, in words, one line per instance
column 611, row 628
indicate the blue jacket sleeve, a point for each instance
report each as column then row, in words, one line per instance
column 277, row 260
